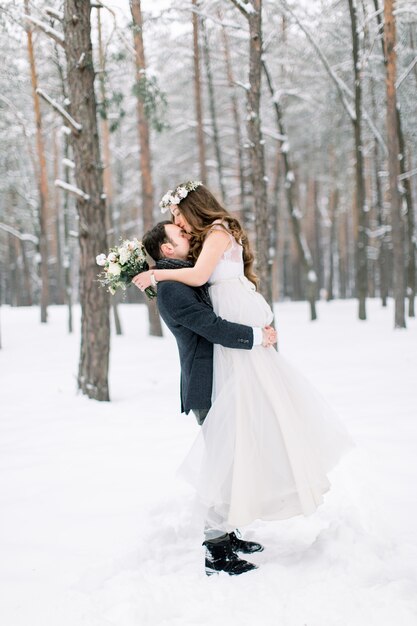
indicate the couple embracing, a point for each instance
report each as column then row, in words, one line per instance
column 267, row 439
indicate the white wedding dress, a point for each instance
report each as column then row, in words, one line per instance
column 269, row 439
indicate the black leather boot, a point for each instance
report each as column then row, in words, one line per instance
column 247, row 547
column 221, row 558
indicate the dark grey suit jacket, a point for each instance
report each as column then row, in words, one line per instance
column 191, row 319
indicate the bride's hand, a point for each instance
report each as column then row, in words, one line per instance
column 143, row 280
column 269, row 336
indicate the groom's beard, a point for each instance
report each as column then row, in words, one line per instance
column 175, row 264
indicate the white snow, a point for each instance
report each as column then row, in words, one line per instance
column 71, row 189
column 97, row 530
column 78, row 127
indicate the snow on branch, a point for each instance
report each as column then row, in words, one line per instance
column 246, row 8
column 405, row 73
column 407, row 174
column 54, row 13
column 52, row 32
column 342, row 89
column 68, row 163
column 269, row 132
column 76, row 126
column 116, row 27
column 72, row 189
column 18, row 234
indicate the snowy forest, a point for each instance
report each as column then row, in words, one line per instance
column 301, row 117
column 178, row 91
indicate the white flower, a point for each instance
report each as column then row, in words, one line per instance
column 174, row 200
column 101, row 259
column 114, row 269
column 182, row 192
column 166, row 197
column 112, row 257
column 124, row 255
column 132, row 245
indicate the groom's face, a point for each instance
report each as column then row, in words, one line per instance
column 178, row 246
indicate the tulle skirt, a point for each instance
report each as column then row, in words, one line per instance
column 269, row 439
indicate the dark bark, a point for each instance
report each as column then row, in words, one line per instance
column 361, row 220
column 95, row 327
column 256, row 147
column 405, row 188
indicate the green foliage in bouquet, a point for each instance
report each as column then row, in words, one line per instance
column 121, row 264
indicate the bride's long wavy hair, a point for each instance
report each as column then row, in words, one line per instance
column 200, row 208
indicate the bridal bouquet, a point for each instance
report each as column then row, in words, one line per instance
column 121, row 264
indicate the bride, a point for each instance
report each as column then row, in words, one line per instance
column 269, row 439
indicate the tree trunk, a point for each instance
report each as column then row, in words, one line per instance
column 237, row 125
column 216, row 140
column 380, row 211
column 198, row 99
column 66, row 203
column 360, row 204
column 397, row 223
column 107, row 178
column 406, row 187
column 155, row 327
column 59, row 274
column 333, row 202
column 293, row 211
column 91, row 208
column 408, row 202
column 42, row 178
column 256, row 149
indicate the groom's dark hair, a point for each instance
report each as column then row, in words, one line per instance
column 154, row 238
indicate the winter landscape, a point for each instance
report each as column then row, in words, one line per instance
column 97, row 529
column 290, row 126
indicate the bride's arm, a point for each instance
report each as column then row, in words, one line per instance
column 213, row 247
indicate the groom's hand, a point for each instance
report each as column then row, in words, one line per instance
column 269, row 336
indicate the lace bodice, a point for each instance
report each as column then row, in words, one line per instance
column 231, row 261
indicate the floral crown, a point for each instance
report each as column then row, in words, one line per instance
column 174, row 196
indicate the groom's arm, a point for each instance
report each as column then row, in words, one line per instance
column 179, row 305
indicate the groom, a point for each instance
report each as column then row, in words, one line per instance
column 188, row 313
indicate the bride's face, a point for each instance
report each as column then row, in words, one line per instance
column 180, row 220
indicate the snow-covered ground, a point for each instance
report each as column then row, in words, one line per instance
column 97, row 530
